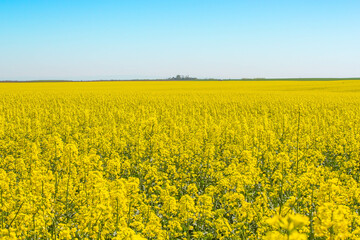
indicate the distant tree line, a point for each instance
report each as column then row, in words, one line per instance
column 182, row 77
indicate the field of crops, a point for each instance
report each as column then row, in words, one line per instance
column 180, row 160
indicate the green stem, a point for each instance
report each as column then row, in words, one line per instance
column 297, row 145
column 15, row 215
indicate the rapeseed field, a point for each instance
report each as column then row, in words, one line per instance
column 180, row 160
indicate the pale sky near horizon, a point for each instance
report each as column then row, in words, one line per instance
column 112, row 39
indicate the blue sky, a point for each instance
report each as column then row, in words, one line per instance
column 130, row 39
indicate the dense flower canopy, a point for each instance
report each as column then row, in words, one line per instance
column 180, row 160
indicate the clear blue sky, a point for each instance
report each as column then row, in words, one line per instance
column 104, row 39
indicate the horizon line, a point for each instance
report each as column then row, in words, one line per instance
column 181, row 80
